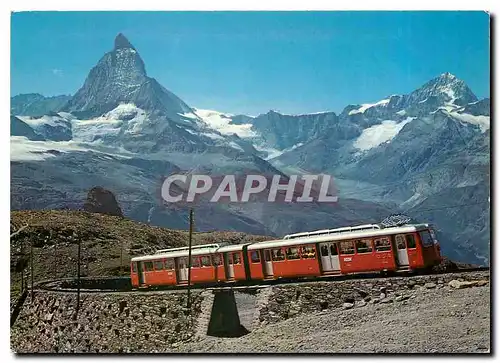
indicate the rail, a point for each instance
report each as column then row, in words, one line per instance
column 95, row 284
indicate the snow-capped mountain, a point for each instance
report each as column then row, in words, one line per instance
column 398, row 121
column 414, row 151
column 120, row 77
column 120, row 106
column 124, row 131
column 446, row 89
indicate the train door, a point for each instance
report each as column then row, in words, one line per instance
column 268, row 264
column 329, row 257
column 182, row 270
column 140, row 272
column 402, row 251
column 230, row 266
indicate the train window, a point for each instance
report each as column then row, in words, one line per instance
column 229, row 258
column 410, row 241
column 400, row 242
column 267, row 255
column 382, row 244
column 333, row 249
column 195, row 262
column 237, row 258
column 292, row 253
column 158, row 265
column 346, row 247
column 426, row 238
column 254, row 256
column 205, row 261
column 134, row 267
column 364, row 245
column 308, row 252
column 169, row 264
column 433, row 235
column 278, row 255
column 148, row 266
column 324, row 250
column 216, row 260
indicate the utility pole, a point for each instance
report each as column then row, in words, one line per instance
column 189, row 256
column 54, row 256
column 23, row 265
column 31, row 268
column 78, row 277
column 121, row 259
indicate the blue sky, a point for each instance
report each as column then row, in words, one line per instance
column 251, row 62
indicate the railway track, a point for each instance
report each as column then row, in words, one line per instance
column 123, row 283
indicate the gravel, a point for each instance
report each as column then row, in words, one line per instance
column 431, row 320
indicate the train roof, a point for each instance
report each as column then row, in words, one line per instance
column 344, row 235
column 230, row 248
column 338, row 236
column 333, row 231
column 181, row 253
column 195, row 251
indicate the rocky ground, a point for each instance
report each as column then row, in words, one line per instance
column 445, row 320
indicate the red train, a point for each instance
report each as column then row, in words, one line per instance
column 341, row 251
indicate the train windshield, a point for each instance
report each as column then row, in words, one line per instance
column 433, row 235
column 426, row 238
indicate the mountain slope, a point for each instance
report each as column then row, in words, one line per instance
column 34, row 104
column 21, row 128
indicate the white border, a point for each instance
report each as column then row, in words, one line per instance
column 25, row 5
column 252, row 5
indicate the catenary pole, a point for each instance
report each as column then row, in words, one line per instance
column 189, row 257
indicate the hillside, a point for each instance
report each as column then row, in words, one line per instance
column 55, row 236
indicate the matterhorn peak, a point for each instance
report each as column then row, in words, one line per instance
column 120, row 78
column 122, row 42
column 447, row 75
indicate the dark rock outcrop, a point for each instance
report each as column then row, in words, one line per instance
column 100, row 200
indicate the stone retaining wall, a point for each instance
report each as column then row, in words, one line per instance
column 158, row 321
column 206, row 311
column 111, row 323
column 281, row 302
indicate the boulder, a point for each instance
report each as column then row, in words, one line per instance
column 456, row 284
column 361, row 303
column 347, row 305
column 100, row 200
column 401, row 298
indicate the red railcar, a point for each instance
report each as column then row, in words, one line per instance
column 350, row 250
